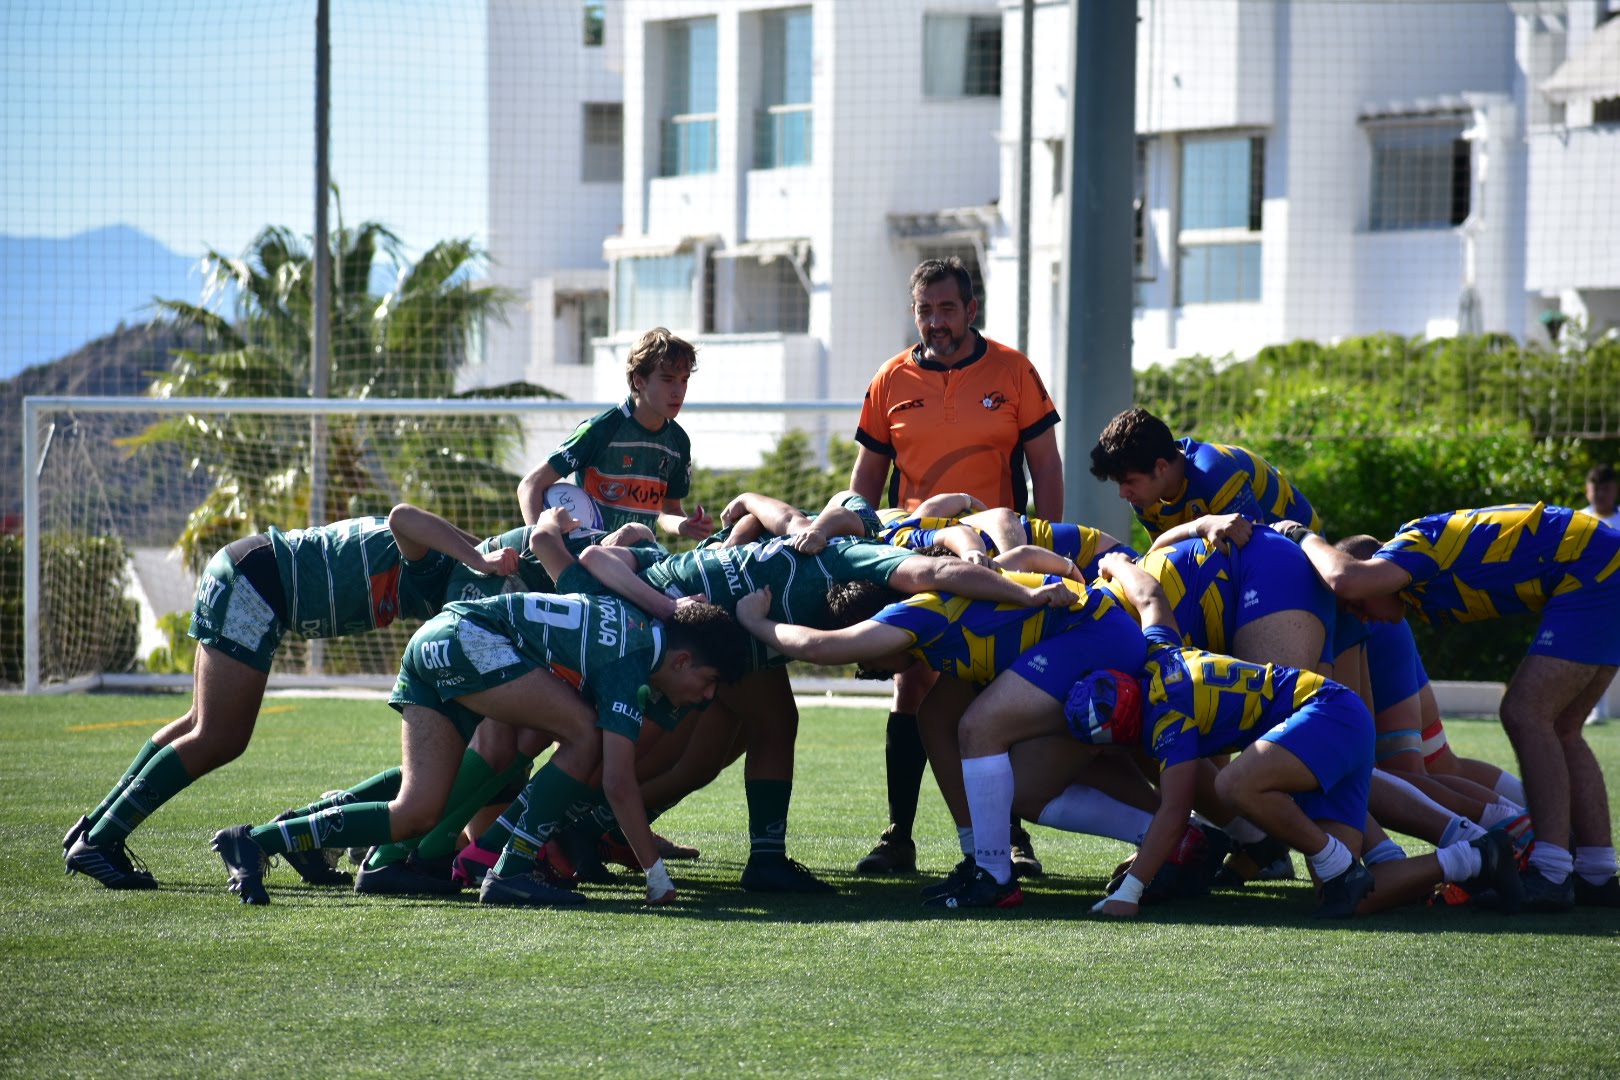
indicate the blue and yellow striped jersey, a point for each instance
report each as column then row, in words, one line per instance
column 1469, row 565
column 1197, row 579
column 1077, row 542
column 1229, row 480
column 976, row 640
column 1198, row 703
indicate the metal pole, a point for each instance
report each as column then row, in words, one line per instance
column 1026, row 99
column 320, row 355
column 31, row 559
column 1097, row 268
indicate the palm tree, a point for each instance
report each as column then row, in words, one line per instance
column 405, row 340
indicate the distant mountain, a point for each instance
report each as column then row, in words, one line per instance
column 57, row 294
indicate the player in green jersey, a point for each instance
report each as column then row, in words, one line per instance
column 345, row 578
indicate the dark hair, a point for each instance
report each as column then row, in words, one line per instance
column 1600, row 474
column 712, row 636
column 1359, row 547
column 1133, row 441
column 932, row 271
column 658, row 348
column 851, row 602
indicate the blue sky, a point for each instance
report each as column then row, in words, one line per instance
column 192, row 120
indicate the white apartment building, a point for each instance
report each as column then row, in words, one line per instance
column 1304, row 170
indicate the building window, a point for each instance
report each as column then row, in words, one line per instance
column 691, row 66
column 603, row 159
column 595, row 22
column 782, row 125
column 1420, row 175
column 1222, row 197
column 961, row 56
column 654, row 291
column 969, row 254
column 767, row 296
column 593, row 322
column 1606, row 110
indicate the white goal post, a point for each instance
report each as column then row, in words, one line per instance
column 75, row 451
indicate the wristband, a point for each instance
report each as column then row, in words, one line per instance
column 1129, row 892
column 658, row 882
column 1297, row 533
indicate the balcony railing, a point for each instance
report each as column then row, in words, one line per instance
column 688, row 144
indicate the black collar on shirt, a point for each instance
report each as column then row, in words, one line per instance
column 974, row 357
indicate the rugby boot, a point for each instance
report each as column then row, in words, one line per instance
column 959, row 876
column 316, row 866
column 895, row 853
column 1544, row 896
column 1605, row 895
column 114, row 865
column 245, row 861
column 780, row 874
column 524, row 890
column 1024, row 862
column 983, row 891
column 1341, row 894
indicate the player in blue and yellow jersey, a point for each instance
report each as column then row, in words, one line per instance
column 345, row 578
column 1025, row 658
column 1172, row 482
column 761, row 704
column 1563, row 565
column 570, row 666
column 1259, row 602
column 965, row 526
column 752, row 516
column 634, row 461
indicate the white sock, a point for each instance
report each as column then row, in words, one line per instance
column 1594, row 864
column 964, row 837
column 1244, row 831
column 989, row 783
column 1459, row 862
column 1553, row 863
column 1333, row 860
column 1511, row 786
column 1079, row 808
column 1459, row 830
column 1386, row 850
column 1498, row 812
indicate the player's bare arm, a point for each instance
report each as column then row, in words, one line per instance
column 1141, row 589
column 417, row 532
column 924, row 573
column 1218, row 529
column 863, row 641
column 624, row 798
column 953, row 504
column 1349, row 578
column 1177, row 786
column 1046, row 474
column 1038, row 560
column 532, row 491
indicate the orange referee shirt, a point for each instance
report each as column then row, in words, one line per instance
column 956, row 429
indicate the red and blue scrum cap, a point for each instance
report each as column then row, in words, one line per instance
column 1105, row 708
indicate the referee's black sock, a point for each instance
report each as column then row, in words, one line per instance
column 905, row 758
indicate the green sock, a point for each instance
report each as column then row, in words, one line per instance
column 360, row 824
column 442, row 840
column 552, row 794
column 384, row 787
column 499, row 832
column 160, row 780
column 472, row 777
column 93, row 818
column 767, row 816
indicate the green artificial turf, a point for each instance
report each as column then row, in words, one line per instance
column 186, row 981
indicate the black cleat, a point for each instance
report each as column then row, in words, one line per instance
column 959, row 876
column 1604, row 895
column 111, row 864
column 524, row 890
column 895, row 853
column 80, row 829
column 245, row 861
column 1263, row 860
column 983, row 891
column 780, row 874
column 316, row 866
column 1498, row 872
column 1544, row 896
column 1341, row 894
column 1024, row 862
column 402, row 879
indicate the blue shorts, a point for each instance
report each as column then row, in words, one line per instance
column 1333, row 735
column 1393, row 664
column 1582, row 626
column 1272, row 574
column 1113, row 640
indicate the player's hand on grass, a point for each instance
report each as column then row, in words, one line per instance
column 1225, row 529
column 500, row 563
column 698, row 525
column 755, row 607
column 1119, row 909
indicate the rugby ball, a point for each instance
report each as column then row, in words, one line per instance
column 572, row 498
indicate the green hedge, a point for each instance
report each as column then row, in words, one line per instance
column 89, row 627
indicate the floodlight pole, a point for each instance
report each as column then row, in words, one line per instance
column 320, row 353
column 1097, row 267
column 1026, row 108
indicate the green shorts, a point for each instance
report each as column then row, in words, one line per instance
column 241, row 607
column 449, row 657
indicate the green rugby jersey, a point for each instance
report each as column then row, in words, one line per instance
column 601, row 646
column 468, row 584
column 348, row 577
column 627, row 470
column 798, row 583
